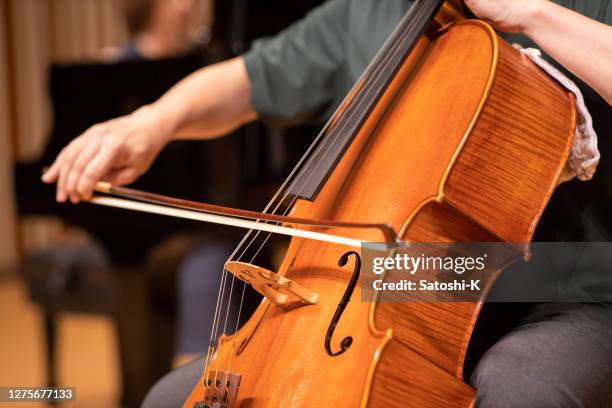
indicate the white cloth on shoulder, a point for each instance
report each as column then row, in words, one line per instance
column 584, row 156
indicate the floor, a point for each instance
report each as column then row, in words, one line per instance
column 87, row 350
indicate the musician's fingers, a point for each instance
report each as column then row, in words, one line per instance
column 60, row 194
column 80, row 162
column 52, row 172
column 67, row 157
column 96, row 170
column 121, row 176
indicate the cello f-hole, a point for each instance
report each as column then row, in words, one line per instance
column 347, row 341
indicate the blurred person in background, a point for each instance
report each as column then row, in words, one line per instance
column 161, row 29
column 159, row 284
column 157, row 29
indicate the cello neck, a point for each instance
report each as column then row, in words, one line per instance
column 323, row 155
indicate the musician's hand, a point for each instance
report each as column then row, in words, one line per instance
column 117, row 151
column 505, row 15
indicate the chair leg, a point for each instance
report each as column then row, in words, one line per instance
column 50, row 331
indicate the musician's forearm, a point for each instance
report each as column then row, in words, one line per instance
column 209, row 103
column 580, row 44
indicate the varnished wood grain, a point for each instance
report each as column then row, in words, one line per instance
column 405, row 379
column 500, row 184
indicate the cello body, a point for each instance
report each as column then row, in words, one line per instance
column 466, row 144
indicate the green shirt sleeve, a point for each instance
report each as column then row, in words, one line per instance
column 600, row 10
column 293, row 73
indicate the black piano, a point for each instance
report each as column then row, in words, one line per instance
column 141, row 300
column 236, row 170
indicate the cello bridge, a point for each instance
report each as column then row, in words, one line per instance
column 276, row 288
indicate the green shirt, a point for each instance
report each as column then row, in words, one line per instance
column 303, row 73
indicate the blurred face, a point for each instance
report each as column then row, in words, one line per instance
column 172, row 15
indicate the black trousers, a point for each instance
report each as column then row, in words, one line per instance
column 522, row 355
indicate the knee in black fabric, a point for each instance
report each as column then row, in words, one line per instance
column 172, row 390
column 500, row 387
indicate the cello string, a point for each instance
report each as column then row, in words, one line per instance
column 364, row 97
column 310, row 174
column 231, row 290
column 410, row 27
column 409, row 33
column 375, row 75
column 409, row 30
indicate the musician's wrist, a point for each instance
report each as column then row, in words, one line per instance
column 162, row 128
column 532, row 15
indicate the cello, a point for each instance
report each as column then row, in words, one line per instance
column 450, row 135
